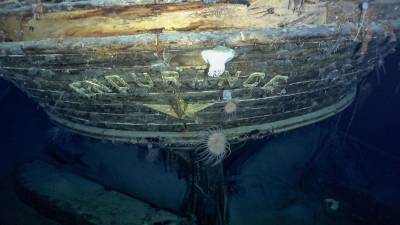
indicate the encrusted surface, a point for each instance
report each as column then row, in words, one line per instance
column 72, row 199
column 158, row 82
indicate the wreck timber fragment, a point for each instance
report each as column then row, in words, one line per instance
column 72, row 199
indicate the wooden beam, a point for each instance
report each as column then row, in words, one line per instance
column 128, row 20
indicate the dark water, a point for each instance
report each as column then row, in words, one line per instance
column 351, row 159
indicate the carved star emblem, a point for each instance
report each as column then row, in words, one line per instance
column 179, row 108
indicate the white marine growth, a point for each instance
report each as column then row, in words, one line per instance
column 217, row 58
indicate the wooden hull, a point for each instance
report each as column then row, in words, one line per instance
column 154, row 87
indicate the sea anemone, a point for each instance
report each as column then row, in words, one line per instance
column 230, row 109
column 214, row 148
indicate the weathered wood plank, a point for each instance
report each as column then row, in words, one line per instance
column 128, row 20
column 318, row 67
column 244, row 117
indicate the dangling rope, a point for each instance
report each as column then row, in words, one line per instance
column 325, row 142
column 364, row 9
column 353, row 113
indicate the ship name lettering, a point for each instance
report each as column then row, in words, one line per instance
column 118, row 84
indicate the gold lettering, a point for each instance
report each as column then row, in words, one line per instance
column 148, row 82
column 89, row 88
column 118, row 83
column 253, row 80
column 170, row 77
column 232, row 80
column 275, row 85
